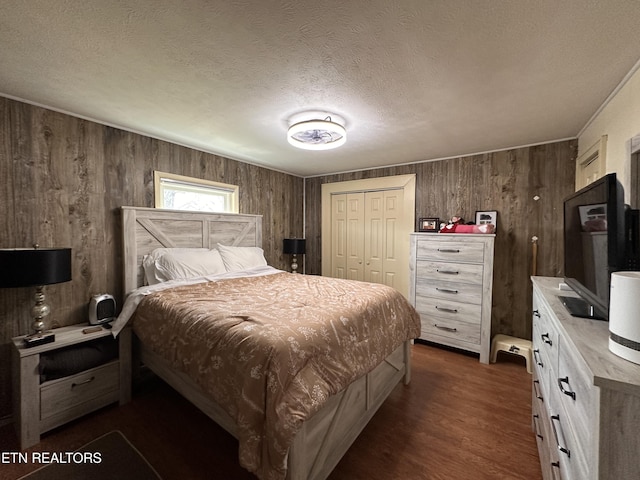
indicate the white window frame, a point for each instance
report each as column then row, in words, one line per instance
column 164, row 180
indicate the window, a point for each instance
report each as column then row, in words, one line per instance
column 177, row 192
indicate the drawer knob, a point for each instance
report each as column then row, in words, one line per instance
column 567, row 392
column 448, row 250
column 546, row 339
column 536, row 313
column 74, row 385
column 448, row 329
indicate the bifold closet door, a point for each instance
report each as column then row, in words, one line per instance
column 347, row 236
column 382, row 246
column 366, row 240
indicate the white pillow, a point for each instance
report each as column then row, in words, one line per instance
column 168, row 263
column 241, row 258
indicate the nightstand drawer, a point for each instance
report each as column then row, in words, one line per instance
column 69, row 392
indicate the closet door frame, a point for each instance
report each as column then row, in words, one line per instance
column 405, row 182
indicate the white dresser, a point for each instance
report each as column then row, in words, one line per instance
column 451, row 279
column 586, row 400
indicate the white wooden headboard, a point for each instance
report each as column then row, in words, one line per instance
column 145, row 229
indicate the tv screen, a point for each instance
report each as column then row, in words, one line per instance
column 594, row 245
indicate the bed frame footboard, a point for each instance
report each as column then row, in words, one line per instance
column 324, row 438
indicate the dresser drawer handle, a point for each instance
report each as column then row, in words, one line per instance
column 448, row 329
column 566, row 392
column 446, row 290
column 448, row 272
column 74, row 385
column 565, row 450
column 536, row 313
column 536, row 417
column 536, row 352
column 536, row 386
column 546, row 339
column 445, row 309
column 448, row 250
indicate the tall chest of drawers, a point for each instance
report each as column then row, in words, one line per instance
column 586, row 400
column 451, row 279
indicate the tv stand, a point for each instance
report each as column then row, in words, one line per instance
column 578, row 307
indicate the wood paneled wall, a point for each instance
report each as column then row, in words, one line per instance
column 505, row 181
column 63, row 181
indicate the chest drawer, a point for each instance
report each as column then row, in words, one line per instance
column 436, row 307
column 449, row 272
column 452, row 291
column 450, row 250
column 69, row 392
column 450, row 328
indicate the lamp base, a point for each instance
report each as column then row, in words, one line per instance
column 36, row 339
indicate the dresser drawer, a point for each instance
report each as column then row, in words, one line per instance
column 576, row 394
column 450, row 328
column 570, row 447
column 453, row 291
column 542, row 429
column 449, row 272
column 448, row 309
column 450, row 250
column 69, row 392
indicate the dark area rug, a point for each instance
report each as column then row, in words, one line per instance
column 109, row 457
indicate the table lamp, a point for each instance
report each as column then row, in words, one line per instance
column 35, row 267
column 294, row 246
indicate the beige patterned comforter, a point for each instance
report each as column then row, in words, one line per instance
column 270, row 350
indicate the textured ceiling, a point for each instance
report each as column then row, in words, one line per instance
column 413, row 80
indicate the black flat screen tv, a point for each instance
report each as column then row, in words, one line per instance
column 594, row 245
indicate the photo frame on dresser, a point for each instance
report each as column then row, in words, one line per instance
column 485, row 217
column 429, row 224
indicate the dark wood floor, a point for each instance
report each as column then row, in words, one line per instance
column 457, row 420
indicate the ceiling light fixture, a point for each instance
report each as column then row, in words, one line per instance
column 317, row 134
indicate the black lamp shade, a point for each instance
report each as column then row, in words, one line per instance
column 294, row 245
column 29, row 267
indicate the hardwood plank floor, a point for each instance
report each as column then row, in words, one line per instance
column 457, row 420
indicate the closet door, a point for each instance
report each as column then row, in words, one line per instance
column 374, row 236
column 384, row 244
column 365, row 229
column 347, row 236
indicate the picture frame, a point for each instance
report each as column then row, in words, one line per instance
column 484, row 217
column 429, row 224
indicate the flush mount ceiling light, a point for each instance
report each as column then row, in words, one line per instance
column 317, row 134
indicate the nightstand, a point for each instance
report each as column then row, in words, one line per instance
column 40, row 407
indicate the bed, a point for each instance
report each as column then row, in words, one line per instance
column 319, row 432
